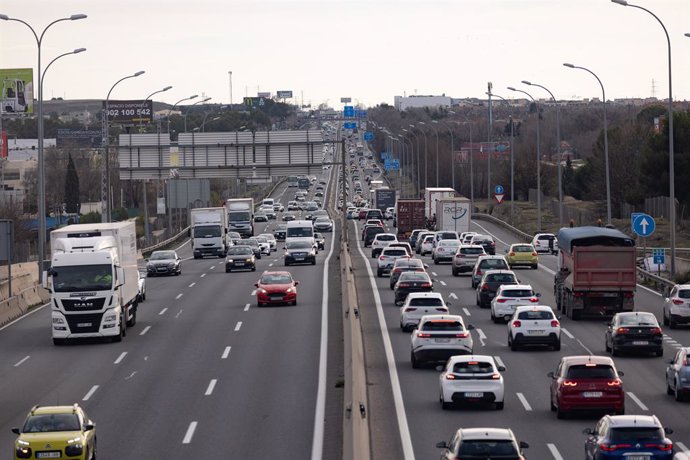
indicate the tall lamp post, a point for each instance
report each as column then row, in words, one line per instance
column 606, row 142
column 417, row 170
column 558, row 151
column 106, row 143
column 175, row 105
column 141, row 121
column 187, row 112
column 452, row 155
column 426, row 154
column 435, row 132
column 671, row 172
column 512, row 163
column 538, row 157
column 41, row 165
column 469, row 123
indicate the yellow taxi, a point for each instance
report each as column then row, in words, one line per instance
column 522, row 254
column 57, row 432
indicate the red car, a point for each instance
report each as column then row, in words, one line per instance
column 586, row 383
column 276, row 287
column 362, row 214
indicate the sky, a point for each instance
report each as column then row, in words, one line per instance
column 370, row 51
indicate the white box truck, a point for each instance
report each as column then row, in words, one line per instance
column 432, row 195
column 209, row 232
column 453, row 215
column 93, row 280
column 241, row 215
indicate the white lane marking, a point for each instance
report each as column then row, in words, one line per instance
column 146, row 329
column 408, row 451
column 30, row 312
column 584, row 346
column 499, row 361
column 443, row 283
column 178, row 296
column 681, row 446
column 202, row 275
column 178, row 314
column 319, row 412
column 554, row 451
column 220, row 263
column 524, row 402
column 21, row 361
column 467, row 312
column 637, row 401
column 567, row 332
column 482, row 336
column 211, row 386
column 190, row 433
column 120, row 358
column 213, row 266
column 452, row 295
column 238, row 326
column 434, row 273
column 192, row 285
column 90, row 393
column 271, row 264
column 246, row 307
column 253, row 293
column 226, row 353
column 131, row 375
column 162, row 312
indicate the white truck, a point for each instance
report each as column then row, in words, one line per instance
column 432, row 195
column 209, row 232
column 241, row 215
column 93, row 281
column 453, row 215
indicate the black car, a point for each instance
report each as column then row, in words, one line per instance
column 299, row 252
column 240, row 257
column 628, row 436
column 405, row 264
column 411, row 282
column 370, row 233
column 164, row 263
column 279, row 232
column 487, row 287
column 634, row 331
column 254, row 244
column 487, row 242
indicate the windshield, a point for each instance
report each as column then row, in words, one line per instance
column 300, row 232
column 598, row 371
column 79, row 278
column 162, row 255
column 239, row 216
column 276, row 279
column 240, row 250
column 298, row 245
column 51, row 422
column 635, row 434
column 207, row 232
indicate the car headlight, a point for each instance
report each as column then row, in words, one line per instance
column 21, row 442
column 263, row 291
column 229, row 261
column 172, row 265
column 149, row 265
column 290, row 290
column 248, row 260
column 110, row 318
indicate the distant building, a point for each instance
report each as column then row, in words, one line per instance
column 419, row 102
column 22, row 156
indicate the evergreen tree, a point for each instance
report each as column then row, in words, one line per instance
column 72, row 203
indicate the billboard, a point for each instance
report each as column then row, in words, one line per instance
column 345, row 100
column 17, row 90
column 481, row 150
column 87, row 138
column 132, row 112
column 265, row 95
column 284, row 94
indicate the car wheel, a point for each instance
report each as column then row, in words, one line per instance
column 435, row 261
column 294, row 303
column 513, row 345
column 553, row 408
column 606, row 345
column 143, row 296
column 672, row 323
column 499, row 405
column 415, row 363
column 455, row 272
column 557, row 346
column 133, row 320
column 665, row 318
column 253, row 268
column 535, row 266
column 259, row 304
column 614, row 352
column 118, row 337
column 669, row 390
column 677, row 394
column 560, row 414
column 444, row 405
column 660, row 352
column 287, row 264
column 379, row 273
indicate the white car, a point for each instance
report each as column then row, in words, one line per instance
column 676, row 308
column 271, row 240
column 389, row 214
column 264, row 245
column 141, row 295
column 427, row 246
column 293, row 206
column 466, row 237
column 381, row 241
column 534, row 325
column 445, row 235
column 545, row 242
column 386, row 260
column 471, row 379
column 444, row 250
column 419, row 304
column 508, row 298
column 438, row 337
column 268, row 210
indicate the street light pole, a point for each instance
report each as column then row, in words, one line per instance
column 419, row 167
column 606, row 142
column 512, row 164
column 558, row 151
column 538, row 157
column 41, row 161
column 106, row 142
column 187, row 112
column 452, row 153
column 426, row 155
column 469, row 123
column 175, row 105
column 671, row 172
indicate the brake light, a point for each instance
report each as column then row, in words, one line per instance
column 479, row 272
column 426, row 285
column 656, row 331
column 500, row 300
column 403, row 285
column 496, row 376
column 628, row 295
column 677, row 302
column 578, row 294
column 409, row 309
column 534, row 299
column 622, row 330
column 382, row 258
column 512, row 254
column 614, row 383
column 450, row 376
column 485, row 287
column 443, row 309
column 662, row 446
column 462, row 335
column 612, row 447
column 423, row 335
column 569, row 383
column 555, row 323
column 517, row 323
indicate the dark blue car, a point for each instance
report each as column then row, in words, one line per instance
column 628, row 436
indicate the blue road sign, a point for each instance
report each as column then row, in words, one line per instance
column 385, row 155
column 659, row 256
column 348, row 111
column 350, row 125
column 391, row 164
column 368, row 136
column 498, row 190
column 642, row 224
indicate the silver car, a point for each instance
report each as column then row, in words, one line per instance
column 466, row 257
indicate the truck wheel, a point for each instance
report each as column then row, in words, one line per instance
column 58, row 342
column 133, row 320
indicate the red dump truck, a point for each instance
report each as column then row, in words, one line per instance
column 596, row 272
column 409, row 216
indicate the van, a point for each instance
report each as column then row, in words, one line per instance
column 300, row 230
column 268, row 202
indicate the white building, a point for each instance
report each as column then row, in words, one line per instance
column 419, row 102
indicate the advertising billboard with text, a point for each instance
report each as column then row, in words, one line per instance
column 132, row 112
column 17, row 90
column 284, row 94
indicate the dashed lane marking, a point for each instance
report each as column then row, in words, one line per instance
column 637, row 401
column 211, row 386
column 120, row 358
column 162, row 312
column 554, row 451
column 499, row 361
column 21, row 361
column 567, row 332
column 443, row 283
column 524, row 402
column 482, row 336
column 271, row 264
column 146, row 329
column 212, row 267
column 253, row 293
column 202, row 275
column 681, row 446
column 466, row 311
column 238, row 326
column 178, row 296
column 226, row 353
column 434, row 273
column 190, row 433
column 90, row 393
column 192, row 284
column 452, row 296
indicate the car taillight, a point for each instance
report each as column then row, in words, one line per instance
column 423, row 335
column 569, row 383
column 534, row 299
column 462, row 335
column 628, row 295
column 578, row 294
column 664, row 446
column 555, row 323
column 512, row 254
column 678, row 302
column 534, row 254
column 499, row 300
column 614, row 383
column 426, row 285
column 485, row 287
column 403, row 285
column 611, row 447
column 443, row 309
column 656, row 331
column 450, row 377
column 622, row 330
column 517, row 323
column 382, row 258
column 479, row 272
column 409, row 309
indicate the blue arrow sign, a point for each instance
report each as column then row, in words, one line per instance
column 348, row 111
column 498, row 190
column 643, row 224
column 368, row 136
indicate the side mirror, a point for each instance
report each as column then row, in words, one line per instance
column 668, row 430
column 670, row 361
column 621, row 373
column 16, row 431
column 89, row 426
column 469, row 327
column 524, row 445
column 538, row 294
column 296, row 283
column 589, row 431
column 551, row 374
column 501, row 369
column 441, row 445
column 256, row 285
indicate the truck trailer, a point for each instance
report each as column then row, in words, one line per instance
column 93, row 281
column 241, row 215
column 409, row 215
column 432, row 195
column 209, row 231
column 384, row 198
column 597, row 272
column 453, row 215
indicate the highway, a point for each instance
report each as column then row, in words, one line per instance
column 204, row 373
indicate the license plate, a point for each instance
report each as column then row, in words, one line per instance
column 536, row 332
column 84, row 324
column 299, row 258
column 638, row 457
column 640, row 342
column 239, row 264
column 48, row 454
column 474, row 395
column 441, row 340
column 592, row 394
